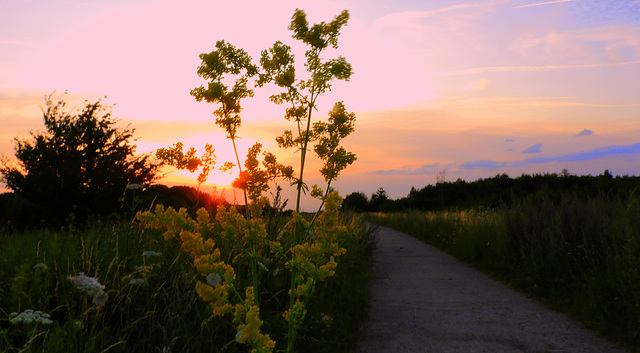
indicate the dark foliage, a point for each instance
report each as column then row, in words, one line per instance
column 179, row 197
column 79, row 166
column 498, row 191
column 356, row 201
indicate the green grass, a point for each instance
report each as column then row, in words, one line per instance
column 581, row 257
column 153, row 308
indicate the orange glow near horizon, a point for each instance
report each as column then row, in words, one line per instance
column 216, row 178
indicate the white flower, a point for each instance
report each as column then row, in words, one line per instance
column 143, row 268
column 134, row 186
column 275, row 272
column 214, row 279
column 238, row 336
column 263, row 266
column 100, row 298
column 28, row 316
column 149, row 253
column 92, row 287
column 88, row 284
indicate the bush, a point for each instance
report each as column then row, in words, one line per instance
column 79, row 166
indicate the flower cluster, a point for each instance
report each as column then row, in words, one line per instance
column 92, row 287
column 31, row 316
column 247, row 319
column 243, row 243
column 149, row 253
column 314, row 260
column 219, row 276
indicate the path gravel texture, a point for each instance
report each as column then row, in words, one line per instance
column 424, row 300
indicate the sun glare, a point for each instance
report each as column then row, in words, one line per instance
column 216, row 177
column 220, row 178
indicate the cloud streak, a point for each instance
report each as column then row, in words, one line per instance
column 493, row 69
column 585, row 132
column 541, row 3
column 408, row 18
column 603, row 152
column 537, row 148
column 422, row 170
column 19, row 43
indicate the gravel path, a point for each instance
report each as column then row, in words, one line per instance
column 424, row 300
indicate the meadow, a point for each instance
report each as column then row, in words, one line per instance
column 234, row 279
column 118, row 286
column 578, row 255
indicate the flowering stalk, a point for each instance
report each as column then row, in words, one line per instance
column 310, row 253
column 278, row 65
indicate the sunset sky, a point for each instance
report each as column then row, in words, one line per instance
column 467, row 88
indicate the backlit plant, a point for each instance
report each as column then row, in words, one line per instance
column 232, row 245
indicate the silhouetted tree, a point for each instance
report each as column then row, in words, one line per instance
column 356, row 201
column 81, row 164
column 379, row 201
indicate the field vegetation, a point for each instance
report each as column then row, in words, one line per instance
column 579, row 254
column 150, row 302
column 84, row 275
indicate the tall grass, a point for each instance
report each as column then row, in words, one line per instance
column 578, row 256
column 152, row 304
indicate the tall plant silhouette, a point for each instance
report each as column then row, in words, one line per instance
column 307, row 248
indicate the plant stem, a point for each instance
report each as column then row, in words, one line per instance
column 244, row 191
column 315, row 216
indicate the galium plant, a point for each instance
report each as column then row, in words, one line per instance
column 225, row 248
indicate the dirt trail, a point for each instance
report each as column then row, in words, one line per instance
column 424, row 300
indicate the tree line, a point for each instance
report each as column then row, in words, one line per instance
column 496, row 191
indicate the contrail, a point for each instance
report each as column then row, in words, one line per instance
column 542, row 3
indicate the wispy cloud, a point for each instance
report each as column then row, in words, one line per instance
column 539, row 102
column 476, row 85
column 615, row 44
column 602, row 152
column 19, row 43
column 585, row 132
column 584, row 156
column 485, row 164
column 537, row 148
column 409, row 18
column 422, row 170
column 541, row 3
column 492, row 69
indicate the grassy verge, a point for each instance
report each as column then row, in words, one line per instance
column 581, row 257
column 152, row 304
